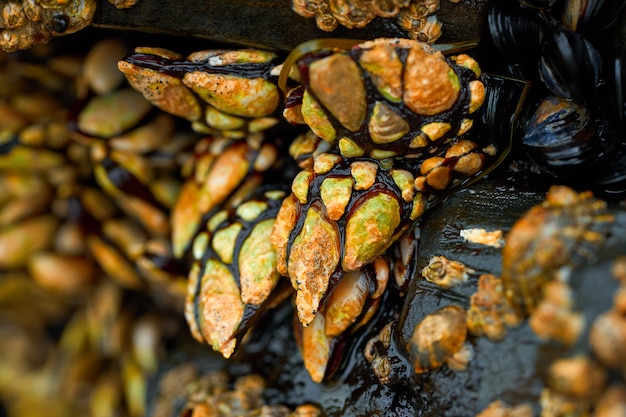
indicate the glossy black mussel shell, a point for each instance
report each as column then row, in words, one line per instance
column 562, row 137
column 612, row 182
column 614, row 106
column 619, row 68
column 596, row 15
column 517, row 33
column 570, row 65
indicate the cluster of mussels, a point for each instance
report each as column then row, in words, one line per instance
column 87, row 300
column 574, row 53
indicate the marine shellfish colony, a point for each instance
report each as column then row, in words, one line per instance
column 284, row 211
column 417, row 17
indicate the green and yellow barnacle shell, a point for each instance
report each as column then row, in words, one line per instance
column 378, row 97
column 222, row 170
column 339, row 219
column 234, row 273
column 218, row 90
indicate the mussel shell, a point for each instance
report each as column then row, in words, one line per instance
column 517, row 34
column 620, row 83
column 562, row 137
column 612, row 181
column 570, row 65
column 612, row 177
column 599, row 14
column 498, row 119
column 615, row 77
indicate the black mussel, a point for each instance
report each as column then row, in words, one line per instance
column 501, row 112
column 570, row 65
column 612, row 182
column 619, row 66
column 517, row 33
column 612, row 174
column 562, row 137
column 591, row 16
column 615, row 77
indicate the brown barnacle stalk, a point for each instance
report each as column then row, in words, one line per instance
column 347, row 306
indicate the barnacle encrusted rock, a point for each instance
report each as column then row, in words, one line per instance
column 414, row 16
column 27, row 23
column 549, row 236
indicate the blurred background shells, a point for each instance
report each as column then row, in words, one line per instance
column 77, row 330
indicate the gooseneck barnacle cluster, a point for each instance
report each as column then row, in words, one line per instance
column 356, row 228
